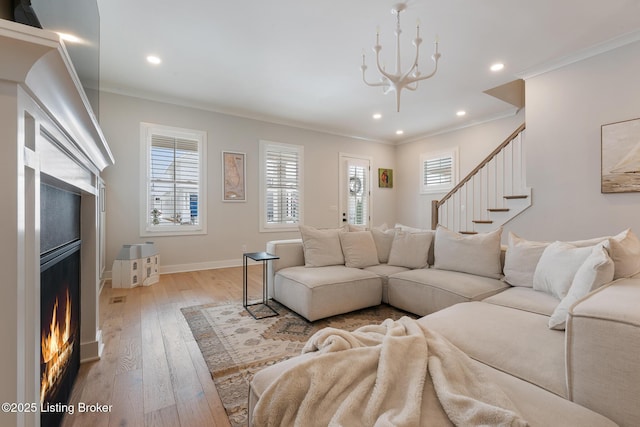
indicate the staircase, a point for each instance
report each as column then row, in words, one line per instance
column 491, row 195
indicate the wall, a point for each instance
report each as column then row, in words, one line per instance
column 474, row 144
column 565, row 110
column 230, row 225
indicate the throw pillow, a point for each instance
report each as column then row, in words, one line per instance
column 597, row 270
column 477, row 254
column 359, row 249
column 521, row 259
column 624, row 249
column 321, row 247
column 410, row 250
column 557, row 267
column 383, row 239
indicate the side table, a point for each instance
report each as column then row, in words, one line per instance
column 264, row 257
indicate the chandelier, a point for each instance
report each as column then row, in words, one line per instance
column 400, row 80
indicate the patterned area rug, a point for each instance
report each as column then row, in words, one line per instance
column 235, row 345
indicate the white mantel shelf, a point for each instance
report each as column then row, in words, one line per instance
column 48, row 133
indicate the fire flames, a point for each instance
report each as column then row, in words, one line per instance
column 56, row 349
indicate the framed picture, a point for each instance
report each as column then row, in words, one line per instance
column 385, row 178
column 620, row 170
column 233, row 177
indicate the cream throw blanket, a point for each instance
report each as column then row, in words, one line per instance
column 378, row 375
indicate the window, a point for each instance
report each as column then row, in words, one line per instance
column 281, row 172
column 438, row 171
column 174, row 179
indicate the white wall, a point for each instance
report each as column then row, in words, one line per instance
column 565, row 110
column 474, row 144
column 230, row 225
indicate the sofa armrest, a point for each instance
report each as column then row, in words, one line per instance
column 602, row 348
column 291, row 255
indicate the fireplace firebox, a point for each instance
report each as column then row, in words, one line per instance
column 59, row 300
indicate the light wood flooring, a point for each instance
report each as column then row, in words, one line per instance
column 151, row 370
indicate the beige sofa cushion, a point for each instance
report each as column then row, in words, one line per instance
column 625, row 252
column 384, row 271
column 410, row 250
column 321, row 247
column 477, row 254
column 526, row 299
column 383, row 238
column 359, row 249
column 319, row 292
column 514, row 341
column 425, row 291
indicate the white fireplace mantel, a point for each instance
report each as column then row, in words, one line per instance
column 48, row 133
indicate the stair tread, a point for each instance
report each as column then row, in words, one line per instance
column 482, row 221
column 517, row 196
column 468, row 232
column 498, row 209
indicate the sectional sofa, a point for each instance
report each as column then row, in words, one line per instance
column 555, row 325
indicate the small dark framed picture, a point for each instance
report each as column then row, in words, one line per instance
column 385, row 178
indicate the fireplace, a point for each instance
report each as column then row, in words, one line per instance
column 60, row 268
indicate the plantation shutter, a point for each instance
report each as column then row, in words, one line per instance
column 282, row 176
column 437, row 173
column 174, row 184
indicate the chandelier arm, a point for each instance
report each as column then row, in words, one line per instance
column 391, row 77
column 428, row 76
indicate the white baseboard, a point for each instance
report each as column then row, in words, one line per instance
column 196, row 266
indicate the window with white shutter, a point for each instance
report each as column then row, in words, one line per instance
column 438, row 171
column 281, row 191
column 174, row 180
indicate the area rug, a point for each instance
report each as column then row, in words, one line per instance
column 236, row 346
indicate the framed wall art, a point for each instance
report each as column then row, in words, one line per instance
column 620, row 170
column 234, row 177
column 385, row 178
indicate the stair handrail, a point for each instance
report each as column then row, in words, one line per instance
column 435, row 204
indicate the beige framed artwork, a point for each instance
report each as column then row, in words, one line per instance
column 234, row 177
column 620, row 169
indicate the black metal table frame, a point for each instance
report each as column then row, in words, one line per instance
column 265, row 258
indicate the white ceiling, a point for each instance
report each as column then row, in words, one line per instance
column 297, row 62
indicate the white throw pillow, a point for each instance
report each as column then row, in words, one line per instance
column 521, row 259
column 557, row 267
column 321, row 247
column 359, row 249
column 624, row 249
column 410, row 250
column 477, row 254
column 596, row 271
column 383, row 238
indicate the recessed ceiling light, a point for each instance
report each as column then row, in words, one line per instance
column 377, row 116
column 69, row 38
column 152, row 59
column 399, row 132
column 497, row 66
column 461, row 113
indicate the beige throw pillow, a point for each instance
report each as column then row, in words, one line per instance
column 624, row 249
column 596, row 271
column 383, row 239
column 410, row 250
column 321, row 247
column 477, row 254
column 359, row 249
column 557, row 267
column 521, row 259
